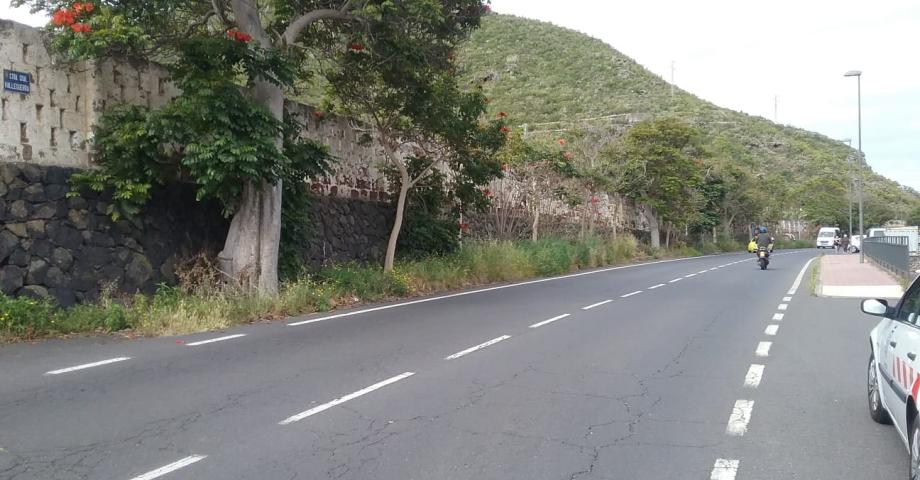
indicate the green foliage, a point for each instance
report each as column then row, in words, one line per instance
column 430, row 226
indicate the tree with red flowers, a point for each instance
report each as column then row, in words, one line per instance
column 234, row 60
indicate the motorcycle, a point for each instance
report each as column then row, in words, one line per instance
column 763, row 257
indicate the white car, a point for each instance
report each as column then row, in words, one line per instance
column 894, row 373
column 826, row 236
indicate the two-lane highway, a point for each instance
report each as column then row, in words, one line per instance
column 647, row 372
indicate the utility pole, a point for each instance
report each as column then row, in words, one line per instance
column 859, row 159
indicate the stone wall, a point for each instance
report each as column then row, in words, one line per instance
column 69, row 249
column 348, row 230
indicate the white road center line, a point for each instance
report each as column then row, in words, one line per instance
column 487, row 289
column 589, row 307
column 798, row 279
column 754, row 375
column 218, row 339
column 787, row 299
column 763, row 349
column 656, row 286
column 771, row 330
column 631, row 294
column 724, row 469
column 690, row 275
column 713, row 268
column 778, row 316
column 675, row 280
column 170, row 468
column 551, row 320
column 340, row 400
column 87, row 365
column 702, row 272
column 477, row 347
column 782, row 306
column 740, row 417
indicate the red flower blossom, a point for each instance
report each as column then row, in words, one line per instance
column 81, row 28
column 501, row 115
column 356, row 47
column 88, row 7
column 487, row 192
column 78, row 8
column 464, row 226
column 239, row 36
column 561, row 141
column 63, row 17
column 318, row 115
column 504, row 129
column 568, row 155
column 594, row 200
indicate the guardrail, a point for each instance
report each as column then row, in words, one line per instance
column 892, row 253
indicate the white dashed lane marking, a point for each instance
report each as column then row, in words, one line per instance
column 477, row 347
column 763, row 349
column 656, row 286
column 754, row 375
column 589, row 307
column 172, row 467
column 778, row 316
column 740, row 417
column 787, row 299
column 771, row 330
column 218, row 339
column 724, row 469
column 675, row 280
column 690, row 275
column 341, row 400
column 87, row 365
column 782, row 306
column 631, row 294
column 551, row 320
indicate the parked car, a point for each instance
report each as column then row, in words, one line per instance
column 893, row 381
column 826, row 237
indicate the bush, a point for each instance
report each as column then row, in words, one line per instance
column 24, row 317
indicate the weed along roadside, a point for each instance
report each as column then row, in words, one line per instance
column 199, row 304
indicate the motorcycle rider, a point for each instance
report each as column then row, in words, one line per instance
column 764, row 239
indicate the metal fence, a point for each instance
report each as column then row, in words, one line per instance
column 892, row 253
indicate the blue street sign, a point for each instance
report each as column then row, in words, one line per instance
column 19, row 82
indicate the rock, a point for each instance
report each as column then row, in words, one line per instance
column 62, row 258
column 132, row 244
column 77, row 203
column 11, row 278
column 34, row 193
column 3, row 208
column 67, row 237
column 56, row 192
column 19, row 229
column 40, row 248
column 37, row 292
column 78, row 218
column 38, row 268
column 100, row 239
column 102, row 208
column 45, row 211
column 138, row 272
column 83, row 278
column 36, row 228
column 8, row 243
column 96, row 256
column 65, row 297
column 56, row 278
column 19, row 209
column 30, row 172
column 19, row 257
column 57, row 175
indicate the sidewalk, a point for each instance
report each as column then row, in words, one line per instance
column 843, row 276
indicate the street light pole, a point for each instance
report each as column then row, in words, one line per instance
column 858, row 75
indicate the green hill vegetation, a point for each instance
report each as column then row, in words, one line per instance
column 540, row 73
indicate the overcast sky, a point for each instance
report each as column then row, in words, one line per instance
column 741, row 55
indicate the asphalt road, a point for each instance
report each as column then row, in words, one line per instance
column 661, row 382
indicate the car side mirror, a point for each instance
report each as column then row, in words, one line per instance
column 877, row 307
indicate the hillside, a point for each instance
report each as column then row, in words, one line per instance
column 538, row 72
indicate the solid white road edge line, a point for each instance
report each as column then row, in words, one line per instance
column 771, row 330
column 488, row 289
column 477, row 347
column 340, row 400
column 589, row 307
column 763, row 349
column 724, row 469
column 798, row 279
column 778, row 316
column 787, row 299
column 740, row 417
column 631, row 294
column 87, row 365
column 170, row 468
column 551, row 320
column 754, row 375
column 656, row 286
column 218, row 339
column 782, row 306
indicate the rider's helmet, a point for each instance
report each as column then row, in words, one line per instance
column 762, row 229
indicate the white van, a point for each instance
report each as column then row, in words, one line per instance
column 826, row 237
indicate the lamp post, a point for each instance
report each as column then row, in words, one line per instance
column 858, row 75
column 849, row 187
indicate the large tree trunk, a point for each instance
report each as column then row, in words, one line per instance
column 390, row 257
column 250, row 255
column 655, row 227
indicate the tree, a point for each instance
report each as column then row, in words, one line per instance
column 398, row 75
column 234, row 60
column 824, row 201
column 663, row 171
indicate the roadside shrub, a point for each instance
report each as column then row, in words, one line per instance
column 25, row 318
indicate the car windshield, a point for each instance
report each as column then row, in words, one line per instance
column 826, row 234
